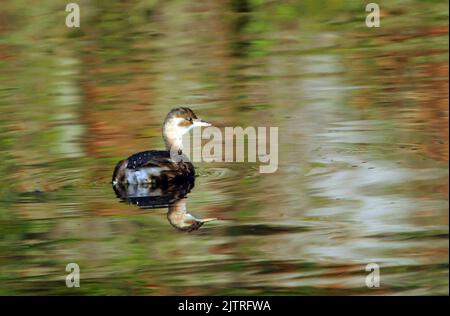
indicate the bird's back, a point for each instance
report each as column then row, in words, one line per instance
column 151, row 166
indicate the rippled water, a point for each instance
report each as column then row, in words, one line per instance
column 363, row 147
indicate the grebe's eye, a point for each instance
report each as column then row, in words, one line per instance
column 189, row 119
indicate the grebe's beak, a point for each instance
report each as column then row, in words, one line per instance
column 199, row 122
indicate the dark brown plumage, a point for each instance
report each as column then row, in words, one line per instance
column 171, row 170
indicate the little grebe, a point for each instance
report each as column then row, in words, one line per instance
column 155, row 166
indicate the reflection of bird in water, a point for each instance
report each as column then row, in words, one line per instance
column 161, row 166
column 171, row 195
column 182, row 220
column 152, row 196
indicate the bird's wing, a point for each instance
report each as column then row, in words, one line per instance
column 151, row 158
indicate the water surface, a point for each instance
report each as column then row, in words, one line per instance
column 363, row 147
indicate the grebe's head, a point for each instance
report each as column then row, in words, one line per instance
column 178, row 122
